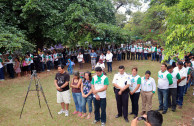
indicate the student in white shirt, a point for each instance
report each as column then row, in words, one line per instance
column 109, row 60
column 100, row 64
column 181, row 83
column 164, row 80
column 56, row 57
column 134, row 91
column 173, row 88
column 103, row 57
column 121, row 82
column 132, row 52
column 148, row 89
column 146, row 53
column 80, row 59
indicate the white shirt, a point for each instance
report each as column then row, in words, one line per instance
column 103, row 57
column 163, row 82
column 80, row 58
column 133, row 84
column 175, row 79
column 148, row 85
column 183, row 73
column 55, row 56
column 100, row 65
column 121, row 80
column 31, row 56
column 109, row 57
column 132, row 49
column 1, row 65
column 145, row 50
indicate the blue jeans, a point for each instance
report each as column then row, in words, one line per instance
column 42, row 65
column 1, row 74
column 146, row 56
column 163, row 99
column 10, row 70
column 100, row 104
column 141, row 55
column 48, row 65
column 77, row 97
column 187, row 86
column 119, row 57
column 89, row 101
column 179, row 98
column 153, row 56
column 109, row 66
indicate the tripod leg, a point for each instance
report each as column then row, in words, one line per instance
column 38, row 94
column 46, row 101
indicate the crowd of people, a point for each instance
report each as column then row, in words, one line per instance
column 49, row 59
column 173, row 82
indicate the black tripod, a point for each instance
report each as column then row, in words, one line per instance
column 38, row 88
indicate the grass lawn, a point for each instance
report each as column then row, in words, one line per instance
column 12, row 94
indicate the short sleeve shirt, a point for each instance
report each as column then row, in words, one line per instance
column 61, row 79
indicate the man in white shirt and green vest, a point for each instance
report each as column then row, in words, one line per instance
column 164, row 80
column 99, row 86
column 173, row 88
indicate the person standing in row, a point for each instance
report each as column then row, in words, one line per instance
column 2, row 78
column 102, row 57
column 76, row 93
column 148, row 89
column 164, row 80
column 132, row 52
column 146, row 53
column 121, row 82
column 181, row 83
column 10, row 69
column 61, row 82
column 135, row 91
column 56, row 59
column 137, row 52
column 87, row 95
column 93, row 56
column 173, row 88
column 80, row 59
column 99, row 86
column 109, row 60
column 128, row 52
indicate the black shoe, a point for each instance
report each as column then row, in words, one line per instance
column 164, row 112
column 126, row 120
column 135, row 116
column 117, row 116
column 173, row 110
column 160, row 110
column 131, row 113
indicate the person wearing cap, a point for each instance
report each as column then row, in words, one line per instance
column 148, row 89
column 164, row 80
column 1, row 69
column 99, row 86
column 121, row 82
column 173, row 88
column 109, row 60
column 100, row 64
column 181, row 83
column 134, row 91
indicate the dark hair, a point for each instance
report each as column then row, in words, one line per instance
column 98, row 69
column 121, row 67
column 134, row 68
column 148, row 72
column 61, row 65
column 173, row 64
column 154, row 118
column 76, row 73
column 89, row 74
column 164, row 64
column 18, row 59
column 180, row 63
column 169, row 67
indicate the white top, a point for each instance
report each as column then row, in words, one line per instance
column 137, row 49
column 192, row 63
column 140, row 49
column 1, row 65
column 163, row 82
column 148, row 85
column 121, row 79
column 103, row 57
column 98, row 84
column 42, row 57
column 100, row 65
column 174, row 78
column 55, row 55
column 134, row 81
column 132, row 49
column 10, row 58
column 145, row 50
column 80, row 58
column 109, row 57
column 183, row 73
column 31, row 56
column 149, row 50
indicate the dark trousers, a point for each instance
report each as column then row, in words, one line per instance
column 163, row 98
column 128, row 55
column 172, row 98
column 141, row 55
column 145, row 54
column 48, row 63
column 132, row 56
column 10, row 70
column 1, row 73
column 100, row 104
column 123, row 56
column 137, row 55
column 122, row 103
column 134, row 101
column 179, row 98
column 109, row 66
column 119, row 57
column 56, row 64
